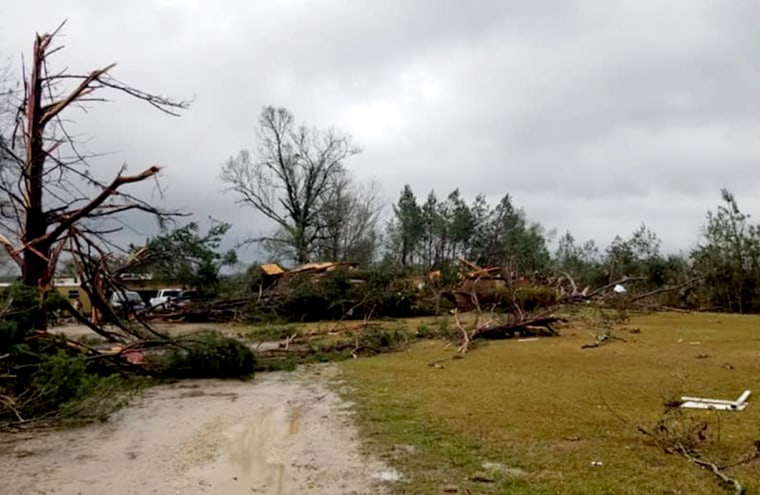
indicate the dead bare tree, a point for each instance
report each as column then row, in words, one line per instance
column 349, row 222
column 291, row 178
column 50, row 192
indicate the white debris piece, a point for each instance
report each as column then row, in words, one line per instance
column 389, row 475
column 717, row 404
column 619, row 289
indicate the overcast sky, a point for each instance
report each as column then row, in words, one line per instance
column 594, row 115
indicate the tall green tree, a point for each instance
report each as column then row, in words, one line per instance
column 406, row 228
column 509, row 240
column 728, row 258
column 581, row 261
column 185, row 255
column 433, row 234
column 434, row 228
column 462, row 225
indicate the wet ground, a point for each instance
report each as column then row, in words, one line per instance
column 280, row 434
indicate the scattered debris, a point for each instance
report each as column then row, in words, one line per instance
column 278, row 281
column 597, row 463
column 482, row 477
column 602, row 338
column 688, row 436
column 716, row 404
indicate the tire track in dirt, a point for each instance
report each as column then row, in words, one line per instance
column 280, row 434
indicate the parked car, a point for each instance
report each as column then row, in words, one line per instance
column 127, row 300
column 164, row 298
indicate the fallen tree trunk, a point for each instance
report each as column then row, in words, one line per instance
column 529, row 325
column 513, row 325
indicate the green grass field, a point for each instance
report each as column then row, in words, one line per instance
column 548, row 417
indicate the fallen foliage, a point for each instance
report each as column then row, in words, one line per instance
column 206, row 354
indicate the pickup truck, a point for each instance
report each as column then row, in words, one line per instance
column 164, row 297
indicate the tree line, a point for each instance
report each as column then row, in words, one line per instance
column 298, row 177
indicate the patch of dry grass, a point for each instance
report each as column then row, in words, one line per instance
column 545, row 411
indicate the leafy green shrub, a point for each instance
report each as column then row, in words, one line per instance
column 11, row 337
column 208, row 354
column 62, row 378
column 425, row 332
column 45, row 378
column 373, row 340
column 443, row 329
column 19, row 302
column 14, row 327
column 65, row 387
column 533, row 298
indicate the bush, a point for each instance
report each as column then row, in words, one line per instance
column 65, row 388
column 62, row 378
column 425, row 332
column 443, row 329
column 20, row 300
column 374, row 340
column 533, row 298
column 208, row 354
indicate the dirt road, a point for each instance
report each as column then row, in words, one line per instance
column 280, row 434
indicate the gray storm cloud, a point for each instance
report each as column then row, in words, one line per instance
column 595, row 115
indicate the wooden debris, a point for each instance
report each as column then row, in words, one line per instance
column 506, row 327
column 601, row 339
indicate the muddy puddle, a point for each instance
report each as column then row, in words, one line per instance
column 281, row 434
